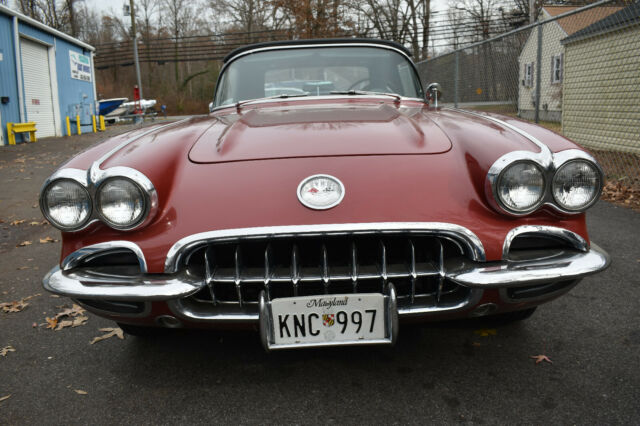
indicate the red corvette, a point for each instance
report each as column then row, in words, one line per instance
column 324, row 198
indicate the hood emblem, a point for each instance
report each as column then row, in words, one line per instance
column 320, row 192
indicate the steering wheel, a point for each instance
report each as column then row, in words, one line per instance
column 370, row 88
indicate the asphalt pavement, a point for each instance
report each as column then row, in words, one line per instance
column 472, row 372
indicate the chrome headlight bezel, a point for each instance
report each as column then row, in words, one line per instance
column 93, row 179
column 45, row 208
column 598, row 188
column 106, row 219
column 512, row 210
column 549, row 165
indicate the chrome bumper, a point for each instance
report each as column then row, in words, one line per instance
column 87, row 283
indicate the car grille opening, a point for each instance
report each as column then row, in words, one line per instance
column 237, row 271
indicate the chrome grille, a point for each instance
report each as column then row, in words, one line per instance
column 237, row 271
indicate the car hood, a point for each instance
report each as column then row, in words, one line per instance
column 325, row 130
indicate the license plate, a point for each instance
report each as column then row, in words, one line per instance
column 327, row 320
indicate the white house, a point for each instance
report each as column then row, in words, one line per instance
column 552, row 65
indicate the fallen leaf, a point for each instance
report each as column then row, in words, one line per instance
column 4, row 351
column 24, row 243
column 46, row 240
column 34, row 223
column 34, row 325
column 110, row 332
column 485, row 332
column 63, row 324
column 52, row 323
column 80, row 392
column 541, row 358
column 73, row 311
column 19, row 160
column 4, row 398
column 476, row 344
column 17, row 222
column 22, row 268
column 13, row 307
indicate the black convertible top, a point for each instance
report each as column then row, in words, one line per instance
column 239, row 50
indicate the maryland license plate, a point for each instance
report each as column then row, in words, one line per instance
column 327, row 320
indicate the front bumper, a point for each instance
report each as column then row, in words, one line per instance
column 564, row 265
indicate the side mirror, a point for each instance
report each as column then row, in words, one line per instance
column 210, row 106
column 434, row 92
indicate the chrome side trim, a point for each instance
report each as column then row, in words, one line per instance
column 462, row 234
column 85, row 283
column 106, row 156
column 564, row 266
column 78, row 256
column 571, row 237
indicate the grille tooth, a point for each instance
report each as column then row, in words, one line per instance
column 235, row 272
column 267, row 270
column 209, row 264
column 412, row 270
column 238, row 278
column 295, row 269
column 354, row 266
column 325, row 269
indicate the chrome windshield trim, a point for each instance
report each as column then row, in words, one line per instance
column 78, row 256
column 461, row 234
column 310, row 98
column 307, row 46
column 571, row 237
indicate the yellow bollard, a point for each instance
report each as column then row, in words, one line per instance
column 93, row 120
column 78, row 124
column 102, row 127
column 68, row 126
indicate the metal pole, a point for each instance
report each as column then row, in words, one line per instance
column 538, row 72
column 455, row 79
column 532, row 15
column 135, row 46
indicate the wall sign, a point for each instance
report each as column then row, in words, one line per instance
column 80, row 66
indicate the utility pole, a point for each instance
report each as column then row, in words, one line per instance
column 134, row 34
column 532, row 11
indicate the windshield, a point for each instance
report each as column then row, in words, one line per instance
column 316, row 71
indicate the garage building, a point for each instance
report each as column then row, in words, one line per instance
column 45, row 76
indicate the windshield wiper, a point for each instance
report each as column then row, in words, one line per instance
column 280, row 96
column 365, row 92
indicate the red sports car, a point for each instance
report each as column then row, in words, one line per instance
column 324, row 198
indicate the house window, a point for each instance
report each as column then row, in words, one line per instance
column 556, row 68
column 528, row 75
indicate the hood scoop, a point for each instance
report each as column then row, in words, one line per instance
column 319, row 131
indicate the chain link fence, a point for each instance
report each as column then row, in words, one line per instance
column 575, row 71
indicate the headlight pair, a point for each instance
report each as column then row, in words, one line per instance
column 521, row 187
column 120, row 202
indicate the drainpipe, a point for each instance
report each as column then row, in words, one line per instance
column 16, row 48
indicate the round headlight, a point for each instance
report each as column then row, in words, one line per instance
column 66, row 204
column 576, row 185
column 520, row 187
column 121, row 203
